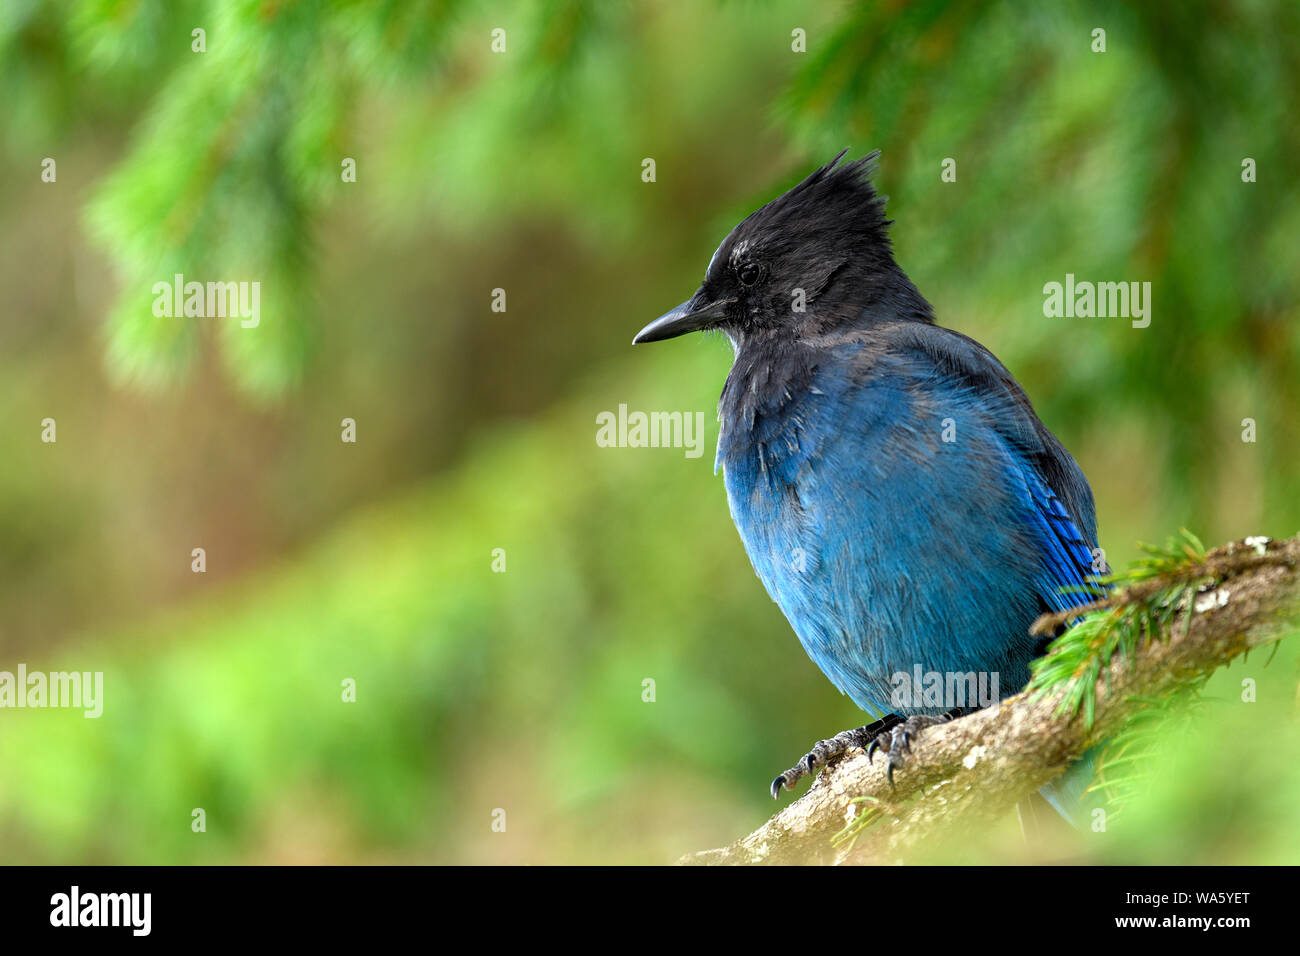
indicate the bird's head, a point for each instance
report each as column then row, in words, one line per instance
column 812, row 260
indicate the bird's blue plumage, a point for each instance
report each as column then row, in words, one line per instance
column 896, row 508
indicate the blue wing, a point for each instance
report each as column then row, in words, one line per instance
column 1067, row 558
column 1061, row 516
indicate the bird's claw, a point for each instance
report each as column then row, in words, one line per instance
column 824, row 751
column 777, row 786
column 898, row 740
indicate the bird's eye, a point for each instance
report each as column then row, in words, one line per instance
column 749, row 273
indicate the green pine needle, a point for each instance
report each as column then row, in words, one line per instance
column 1077, row 659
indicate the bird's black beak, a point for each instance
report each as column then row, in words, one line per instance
column 690, row 316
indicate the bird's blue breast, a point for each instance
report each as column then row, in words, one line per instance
column 888, row 515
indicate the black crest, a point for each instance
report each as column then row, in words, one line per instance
column 836, row 205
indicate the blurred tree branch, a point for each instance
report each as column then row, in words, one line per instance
column 972, row 771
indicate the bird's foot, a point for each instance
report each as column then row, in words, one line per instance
column 897, row 741
column 824, row 751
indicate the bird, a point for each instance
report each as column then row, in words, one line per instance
column 894, row 489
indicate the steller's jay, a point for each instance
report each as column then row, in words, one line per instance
column 894, row 490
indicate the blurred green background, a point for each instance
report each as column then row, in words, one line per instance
column 522, row 170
